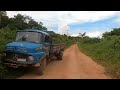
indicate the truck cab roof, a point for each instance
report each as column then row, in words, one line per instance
column 33, row 30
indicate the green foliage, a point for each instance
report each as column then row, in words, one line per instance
column 3, row 19
column 19, row 22
column 114, row 32
column 87, row 39
column 57, row 38
column 6, row 36
column 105, row 51
column 3, row 71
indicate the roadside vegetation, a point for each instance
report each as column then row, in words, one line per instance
column 105, row 50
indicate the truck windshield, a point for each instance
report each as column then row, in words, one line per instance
column 28, row 36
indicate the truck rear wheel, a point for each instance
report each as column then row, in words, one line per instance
column 42, row 67
column 59, row 56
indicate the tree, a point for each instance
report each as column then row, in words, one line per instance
column 115, row 31
column 3, row 19
column 82, row 35
column 44, row 28
column 20, row 22
column 32, row 24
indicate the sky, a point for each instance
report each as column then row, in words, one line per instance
column 94, row 23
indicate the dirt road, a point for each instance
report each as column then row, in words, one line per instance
column 75, row 65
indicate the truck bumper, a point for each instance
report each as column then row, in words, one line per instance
column 14, row 65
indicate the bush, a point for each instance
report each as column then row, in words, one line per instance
column 57, row 38
column 3, row 71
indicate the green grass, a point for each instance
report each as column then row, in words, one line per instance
column 106, row 52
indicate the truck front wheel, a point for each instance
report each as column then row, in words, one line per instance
column 42, row 67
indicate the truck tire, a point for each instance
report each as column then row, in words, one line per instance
column 59, row 56
column 42, row 67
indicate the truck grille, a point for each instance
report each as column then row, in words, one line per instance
column 14, row 56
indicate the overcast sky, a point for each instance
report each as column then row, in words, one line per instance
column 94, row 23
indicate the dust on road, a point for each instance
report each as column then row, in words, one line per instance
column 75, row 65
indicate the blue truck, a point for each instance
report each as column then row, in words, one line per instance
column 32, row 48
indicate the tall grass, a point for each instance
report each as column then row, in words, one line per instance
column 105, row 52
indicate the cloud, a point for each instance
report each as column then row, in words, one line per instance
column 62, row 19
column 67, row 18
column 117, row 19
column 90, row 34
column 96, row 33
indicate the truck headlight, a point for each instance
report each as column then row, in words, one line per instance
column 39, row 48
column 30, row 58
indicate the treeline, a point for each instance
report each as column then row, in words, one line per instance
column 19, row 22
column 105, row 50
column 57, row 38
